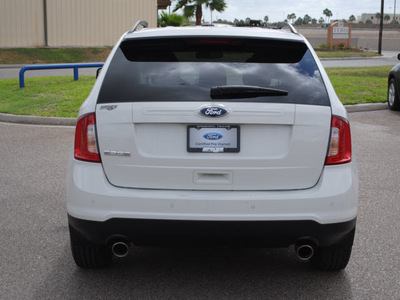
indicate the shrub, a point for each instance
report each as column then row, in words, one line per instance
column 324, row 46
column 169, row 20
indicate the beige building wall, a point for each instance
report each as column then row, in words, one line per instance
column 71, row 23
column 21, row 23
column 95, row 22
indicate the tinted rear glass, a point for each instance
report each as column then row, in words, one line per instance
column 185, row 69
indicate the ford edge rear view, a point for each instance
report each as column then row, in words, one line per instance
column 212, row 136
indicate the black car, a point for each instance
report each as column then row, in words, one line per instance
column 394, row 87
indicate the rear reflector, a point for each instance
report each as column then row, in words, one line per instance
column 339, row 151
column 85, row 139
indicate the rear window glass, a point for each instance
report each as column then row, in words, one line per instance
column 185, row 69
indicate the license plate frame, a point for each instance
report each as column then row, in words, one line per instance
column 213, row 138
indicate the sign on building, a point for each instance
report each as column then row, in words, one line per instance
column 339, row 35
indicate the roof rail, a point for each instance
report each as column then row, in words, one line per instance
column 140, row 22
column 286, row 24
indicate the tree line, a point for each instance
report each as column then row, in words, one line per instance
column 194, row 8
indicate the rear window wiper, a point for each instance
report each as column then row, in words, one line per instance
column 244, row 91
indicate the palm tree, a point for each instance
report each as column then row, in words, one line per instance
column 386, row 18
column 327, row 13
column 218, row 5
column 169, row 20
column 195, row 7
column 307, row 19
column 291, row 17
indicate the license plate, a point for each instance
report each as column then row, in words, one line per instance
column 213, row 138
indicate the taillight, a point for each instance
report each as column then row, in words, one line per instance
column 339, row 151
column 85, row 139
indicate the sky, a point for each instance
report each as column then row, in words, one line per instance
column 277, row 10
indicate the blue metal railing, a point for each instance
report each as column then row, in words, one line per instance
column 56, row 66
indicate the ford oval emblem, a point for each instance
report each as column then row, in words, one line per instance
column 213, row 136
column 213, row 111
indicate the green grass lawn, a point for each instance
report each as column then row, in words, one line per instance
column 360, row 85
column 62, row 97
column 46, row 96
column 53, row 55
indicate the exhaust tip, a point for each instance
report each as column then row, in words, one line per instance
column 304, row 251
column 120, row 249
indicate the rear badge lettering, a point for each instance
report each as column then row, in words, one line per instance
column 213, row 111
column 108, row 107
column 116, row 153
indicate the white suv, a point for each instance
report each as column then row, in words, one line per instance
column 212, row 136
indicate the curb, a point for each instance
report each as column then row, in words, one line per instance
column 366, row 107
column 356, row 57
column 54, row 121
column 351, row 58
column 35, row 120
column 11, row 66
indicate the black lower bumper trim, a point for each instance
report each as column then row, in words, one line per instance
column 147, row 232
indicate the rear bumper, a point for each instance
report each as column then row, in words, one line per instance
column 199, row 233
column 325, row 213
column 332, row 200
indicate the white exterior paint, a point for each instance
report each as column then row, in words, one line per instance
column 333, row 199
column 155, row 191
column 283, row 146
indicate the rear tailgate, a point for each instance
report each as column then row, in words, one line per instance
column 145, row 145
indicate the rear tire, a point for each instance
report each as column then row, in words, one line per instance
column 393, row 95
column 333, row 258
column 88, row 255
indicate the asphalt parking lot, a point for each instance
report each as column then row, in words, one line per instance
column 36, row 263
